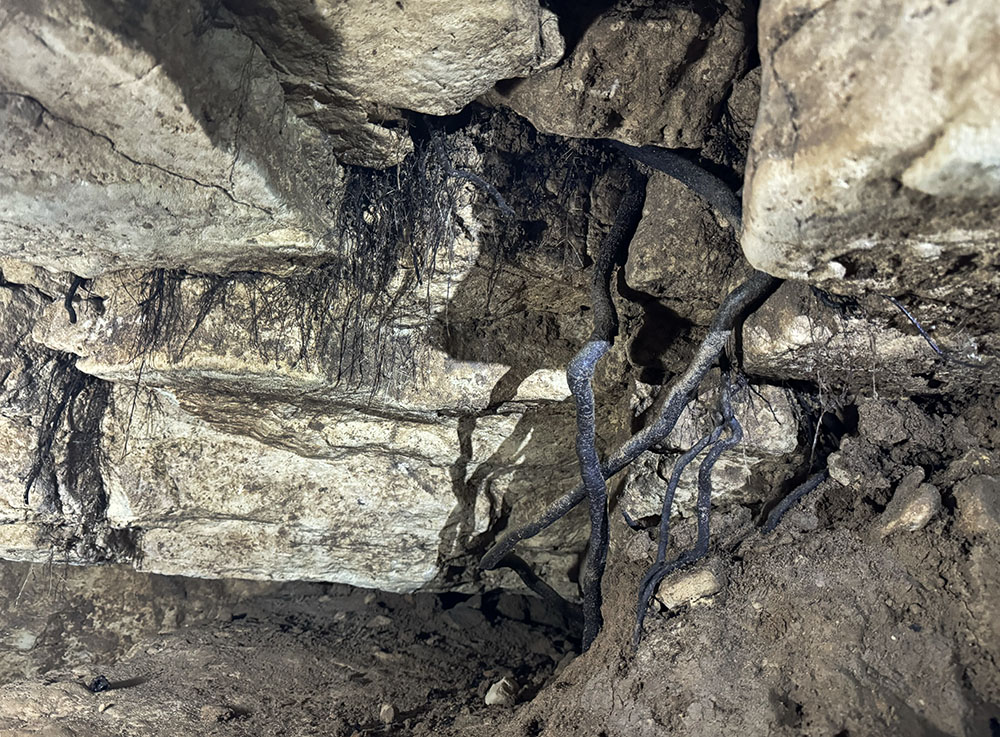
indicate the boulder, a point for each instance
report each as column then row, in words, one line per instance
column 875, row 162
column 349, row 67
column 655, row 74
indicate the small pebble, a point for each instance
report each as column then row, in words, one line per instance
column 215, row 713
column 379, row 621
column 689, row 587
column 387, row 714
column 978, row 502
column 912, row 505
column 105, row 706
column 838, row 469
column 502, row 693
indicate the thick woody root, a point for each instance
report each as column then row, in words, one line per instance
column 662, row 568
column 736, row 306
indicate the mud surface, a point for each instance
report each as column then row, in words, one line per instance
column 306, row 660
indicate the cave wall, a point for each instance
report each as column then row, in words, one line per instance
column 279, row 373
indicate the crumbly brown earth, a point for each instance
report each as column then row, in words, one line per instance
column 824, row 627
column 307, row 660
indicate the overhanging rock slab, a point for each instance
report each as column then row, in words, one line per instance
column 875, row 161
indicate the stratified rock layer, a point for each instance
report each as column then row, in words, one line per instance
column 127, row 146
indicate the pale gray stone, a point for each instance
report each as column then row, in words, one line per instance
column 350, row 66
column 689, row 587
column 875, row 162
column 978, row 499
column 365, row 508
column 913, row 505
column 502, row 693
column 137, row 136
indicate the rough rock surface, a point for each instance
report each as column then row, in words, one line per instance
column 875, row 164
column 690, row 587
column 349, row 68
column 310, row 459
column 649, row 74
column 811, row 634
column 913, row 505
column 679, row 255
column 747, row 473
column 978, row 499
column 290, row 361
column 806, row 335
column 127, row 146
column 204, row 375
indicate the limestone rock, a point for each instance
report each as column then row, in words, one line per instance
column 215, row 713
column 543, row 385
column 770, row 442
column 51, row 498
column 215, row 504
column 978, row 499
column 649, row 75
column 866, row 346
column 502, row 693
column 875, row 163
column 675, row 259
column 973, row 462
column 912, row 506
column 387, row 713
column 241, row 409
column 262, row 339
column 360, row 331
column 535, row 463
column 27, row 371
column 259, row 464
column 141, row 135
column 729, row 141
column 350, row 66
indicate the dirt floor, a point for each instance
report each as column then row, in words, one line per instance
column 842, row 622
column 307, row 660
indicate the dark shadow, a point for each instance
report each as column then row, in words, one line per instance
column 661, row 328
column 576, row 16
